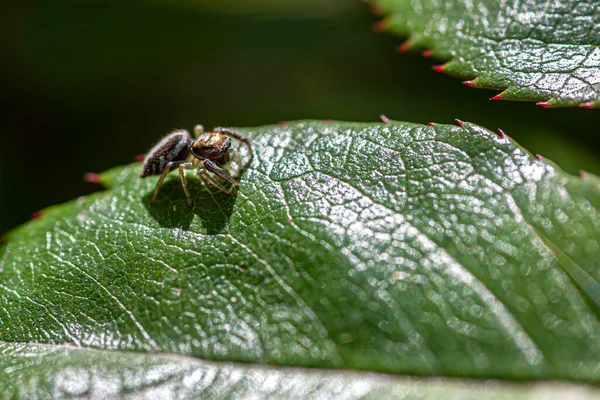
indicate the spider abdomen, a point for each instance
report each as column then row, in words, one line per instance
column 172, row 148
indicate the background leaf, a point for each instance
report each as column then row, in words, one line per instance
column 537, row 50
column 397, row 248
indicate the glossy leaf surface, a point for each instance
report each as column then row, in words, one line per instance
column 537, row 50
column 87, row 373
column 398, row 248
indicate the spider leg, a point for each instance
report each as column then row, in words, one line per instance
column 182, row 178
column 208, row 165
column 212, row 167
column 162, row 178
column 198, row 130
column 210, row 180
column 237, row 135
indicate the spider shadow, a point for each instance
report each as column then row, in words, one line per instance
column 212, row 207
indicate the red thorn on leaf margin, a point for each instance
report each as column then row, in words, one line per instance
column 403, row 48
column 589, row 104
column 468, row 83
column 497, row 97
column 438, row 68
column 384, row 119
column 283, row 123
column 426, row 53
column 328, row 121
column 539, row 156
column 459, row 122
column 91, row 177
column 543, row 104
column 430, row 124
column 502, row 134
column 378, row 26
column 139, row 158
column 582, row 174
column 37, row 215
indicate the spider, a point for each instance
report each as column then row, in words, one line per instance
column 208, row 152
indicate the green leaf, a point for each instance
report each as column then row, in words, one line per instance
column 536, row 50
column 89, row 373
column 398, row 248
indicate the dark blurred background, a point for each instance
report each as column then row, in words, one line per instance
column 87, row 85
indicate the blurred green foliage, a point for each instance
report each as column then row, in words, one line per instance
column 88, row 85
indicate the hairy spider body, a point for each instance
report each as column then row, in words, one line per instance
column 174, row 147
column 208, row 152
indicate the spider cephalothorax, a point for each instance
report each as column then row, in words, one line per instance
column 212, row 146
column 208, row 152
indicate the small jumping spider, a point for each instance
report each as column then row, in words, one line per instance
column 208, row 152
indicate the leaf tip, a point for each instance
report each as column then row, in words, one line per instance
column 92, row 177
column 438, row 68
column 497, row 97
column 384, row 119
column 543, row 104
column 459, row 122
column 468, row 83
